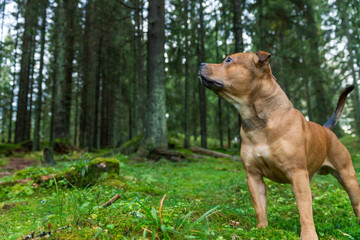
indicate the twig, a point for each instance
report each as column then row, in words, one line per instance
column 43, row 233
column 161, row 203
column 213, row 153
column 111, row 201
column 128, row 6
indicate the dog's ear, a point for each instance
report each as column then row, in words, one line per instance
column 263, row 56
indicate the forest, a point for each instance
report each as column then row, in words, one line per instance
column 114, row 83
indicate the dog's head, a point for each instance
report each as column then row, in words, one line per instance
column 238, row 76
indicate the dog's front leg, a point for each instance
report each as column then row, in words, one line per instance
column 302, row 191
column 257, row 189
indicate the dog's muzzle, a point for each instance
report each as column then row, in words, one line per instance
column 206, row 81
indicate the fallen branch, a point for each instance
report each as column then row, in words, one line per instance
column 213, row 153
column 111, row 201
column 171, row 155
column 43, row 233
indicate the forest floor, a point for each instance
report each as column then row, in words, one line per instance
column 205, row 199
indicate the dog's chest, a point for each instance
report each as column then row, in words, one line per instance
column 261, row 157
column 260, row 151
column 255, row 153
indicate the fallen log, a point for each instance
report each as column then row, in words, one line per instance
column 48, row 157
column 171, row 155
column 213, row 153
column 111, row 201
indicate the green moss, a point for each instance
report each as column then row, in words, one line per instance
column 131, row 146
column 8, row 148
column 194, row 192
column 92, row 172
column 60, row 140
column 102, row 165
column 116, row 183
column 4, row 161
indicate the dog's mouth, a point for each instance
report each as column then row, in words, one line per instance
column 211, row 84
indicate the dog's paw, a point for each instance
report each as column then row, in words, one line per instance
column 309, row 236
column 262, row 224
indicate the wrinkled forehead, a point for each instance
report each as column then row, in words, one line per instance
column 242, row 58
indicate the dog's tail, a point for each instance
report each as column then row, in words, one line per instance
column 339, row 108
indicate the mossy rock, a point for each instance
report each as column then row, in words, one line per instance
column 27, row 145
column 91, row 173
column 8, row 149
column 131, row 146
column 116, row 183
column 63, row 146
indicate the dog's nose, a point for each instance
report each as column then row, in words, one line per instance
column 202, row 64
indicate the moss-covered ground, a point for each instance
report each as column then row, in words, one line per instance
column 205, row 199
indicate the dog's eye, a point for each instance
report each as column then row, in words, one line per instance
column 229, row 59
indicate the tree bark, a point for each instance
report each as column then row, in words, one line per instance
column 63, row 88
column 202, row 93
column 36, row 142
column 31, row 90
column 186, row 66
column 345, row 24
column 321, row 106
column 99, row 82
column 89, row 66
column 261, row 24
column 213, row 153
column 108, row 85
column 22, row 104
column 155, row 125
column 140, row 67
column 14, row 80
column 48, row 157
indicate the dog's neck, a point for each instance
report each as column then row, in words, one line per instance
column 264, row 101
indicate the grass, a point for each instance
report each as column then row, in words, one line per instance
column 205, row 199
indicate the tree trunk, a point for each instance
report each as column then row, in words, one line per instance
column 155, row 126
column 2, row 106
column 36, row 143
column 213, row 153
column 321, row 106
column 31, row 90
column 187, row 88
column 140, row 67
column 345, row 23
column 99, row 82
column 22, row 104
column 76, row 127
column 14, row 80
column 133, row 96
column 65, row 46
column 108, row 87
column 202, row 93
column 48, row 157
column 89, row 65
column 261, row 24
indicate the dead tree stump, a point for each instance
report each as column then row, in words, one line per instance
column 48, row 157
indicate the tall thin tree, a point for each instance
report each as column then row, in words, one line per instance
column 187, row 71
column 155, row 125
column 202, row 93
column 22, row 103
column 36, row 144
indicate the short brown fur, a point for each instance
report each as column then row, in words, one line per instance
column 277, row 141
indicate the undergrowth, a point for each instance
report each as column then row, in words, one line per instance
column 205, row 199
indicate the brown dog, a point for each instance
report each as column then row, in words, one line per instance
column 277, row 141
